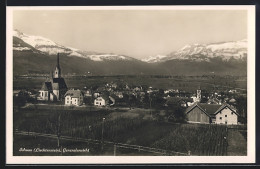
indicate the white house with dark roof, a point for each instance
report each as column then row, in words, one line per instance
column 44, row 93
column 104, row 100
column 74, row 97
column 226, row 115
column 99, row 101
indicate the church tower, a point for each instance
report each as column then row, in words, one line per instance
column 57, row 71
column 199, row 95
column 55, row 88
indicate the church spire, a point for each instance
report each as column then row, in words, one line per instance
column 57, row 72
column 58, row 61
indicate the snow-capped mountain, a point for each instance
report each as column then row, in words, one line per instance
column 204, row 52
column 35, row 54
column 153, row 59
column 50, row 47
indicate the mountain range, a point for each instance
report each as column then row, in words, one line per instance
column 224, row 51
column 36, row 54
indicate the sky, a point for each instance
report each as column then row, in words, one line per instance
column 135, row 33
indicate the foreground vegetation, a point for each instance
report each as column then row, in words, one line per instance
column 135, row 126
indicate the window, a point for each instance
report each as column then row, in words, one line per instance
column 220, row 118
column 225, row 122
column 231, row 113
column 225, row 115
column 68, row 102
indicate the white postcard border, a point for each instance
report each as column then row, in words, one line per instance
column 250, row 158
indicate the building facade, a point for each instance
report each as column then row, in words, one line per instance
column 198, row 115
column 104, row 100
column 226, row 116
column 74, row 97
column 99, row 101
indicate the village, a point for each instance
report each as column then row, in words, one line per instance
column 201, row 106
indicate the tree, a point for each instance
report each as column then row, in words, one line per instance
column 175, row 111
column 158, row 101
column 55, row 124
column 132, row 101
column 19, row 101
column 241, row 107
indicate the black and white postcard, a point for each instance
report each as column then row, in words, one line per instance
column 130, row 84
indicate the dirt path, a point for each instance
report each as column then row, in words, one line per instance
column 237, row 144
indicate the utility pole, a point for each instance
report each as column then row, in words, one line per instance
column 114, row 149
column 102, row 140
column 150, row 104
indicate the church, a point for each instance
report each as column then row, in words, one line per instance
column 55, row 87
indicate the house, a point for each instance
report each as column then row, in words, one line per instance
column 16, row 92
column 104, row 100
column 96, row 95
column 45, row 92
column 226, row 115
column 119, row 95
column 74, row 97
column 213, row 101
column 232, row 101
column 183, row 103
column 54, row 88
column 211, row 113
column 99, row 101
column 137, row 89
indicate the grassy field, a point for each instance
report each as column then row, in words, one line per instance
column 135, row 127
column 237, row 141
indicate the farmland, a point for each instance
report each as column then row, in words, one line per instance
column 134, row 127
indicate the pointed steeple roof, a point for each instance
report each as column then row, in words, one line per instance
column 58, row 61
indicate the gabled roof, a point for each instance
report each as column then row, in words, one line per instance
column 106, row 97
column 225, row 106
column 99, row 97
column 73, row 93
column 209, row 108
column 46, row 86
column 196, row 104
column 58, row 84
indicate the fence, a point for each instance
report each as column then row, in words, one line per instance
column 116, row 145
